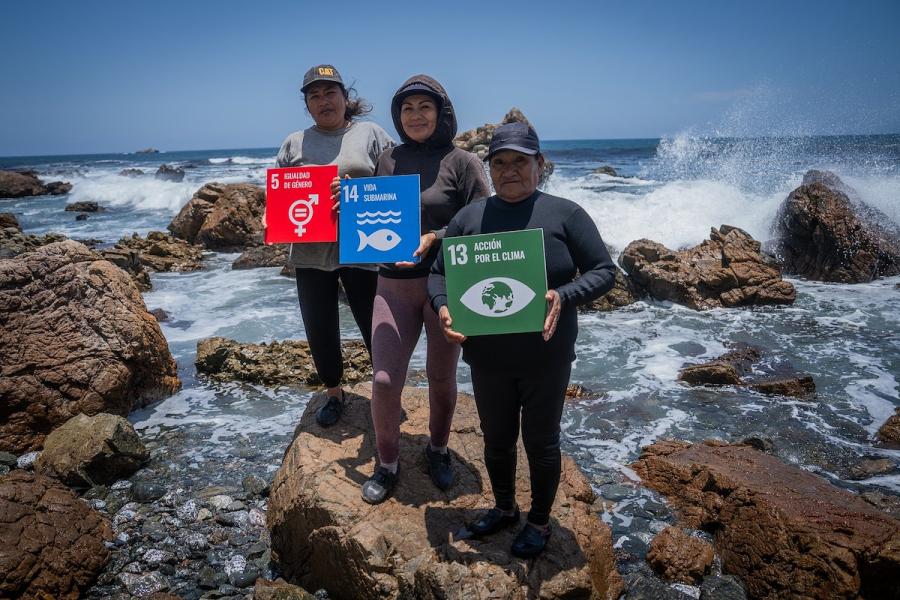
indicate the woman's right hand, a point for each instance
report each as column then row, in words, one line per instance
column 454, row 337
column 336, row 193
column 264, row 225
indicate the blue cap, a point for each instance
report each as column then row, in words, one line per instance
column 517, row 136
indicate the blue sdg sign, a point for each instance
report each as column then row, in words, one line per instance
column 379, row 221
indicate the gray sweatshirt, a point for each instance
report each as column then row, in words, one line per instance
column 355, row 150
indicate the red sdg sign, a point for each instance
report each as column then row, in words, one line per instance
column 298, row 205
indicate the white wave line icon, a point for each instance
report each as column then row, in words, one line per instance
column 375, row 221
column 386, row 213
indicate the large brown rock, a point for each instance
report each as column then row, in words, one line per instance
column 624, row 293
column 13, row 242
column 735, row 366
column 88, row 451
column 678, row 556
column 15, row 184
column 287, row 362
column 890, row 430
column 129, row 260
column 273, row 255
column 726, row 270
column 785, row 532
column 324, row 535
column 51, row 543
column 75, row 337
column 826, row 233
column 222, row 217
column 163, row 253
column 9, row 220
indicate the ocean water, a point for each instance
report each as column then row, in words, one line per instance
column 670, row 190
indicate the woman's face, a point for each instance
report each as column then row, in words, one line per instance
column 418, row 117
column 326, row 105
column 515, row 175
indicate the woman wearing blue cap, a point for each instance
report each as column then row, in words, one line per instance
column 354, row 146
column 520, row 379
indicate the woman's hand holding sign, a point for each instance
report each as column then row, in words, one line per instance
column 425, row 242
column 454, row 337
column 554, row 304
column 336, row 193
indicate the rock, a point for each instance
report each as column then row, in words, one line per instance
column 680, row 557
column 287, row 362
column 129, row 261
column 734, row 368
column 51, row 543
column 711, row 373
column 222, row 217
column 27, row 460
column 9, row 220
column 145, row 492
column 75, row 337
column 220, row 502
column 163, row 253
column 8, row 460
column 577, row 392
column 725, row 271
column 824, row 235
column 273, row 255
column 725, row 587
column 87, row 206
column 890, row 431
column 324, row 535
column 624, row 293
column 885, row 502
column 255, row 485
column 800, row 386
column 279, row 590
column 13, row 242
column 160, row 314
column 15, row 184
column 785, row 532
column 147, row 151
column 605, row 170
column 871, row 467
column 167, row 173
column 288, row 271
column 478, row 140
column 81, row 217
column 144, row 585
column 88, row 451
column 131, row 172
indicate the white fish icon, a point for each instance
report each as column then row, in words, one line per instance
column 383, row 239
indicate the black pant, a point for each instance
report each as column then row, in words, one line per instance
column 537, row 398
column 317, row 291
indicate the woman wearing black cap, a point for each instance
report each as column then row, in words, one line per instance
column 449, row 179
column 354, row 146
column 521, row 379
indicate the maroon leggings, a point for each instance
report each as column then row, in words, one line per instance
column 401, row 308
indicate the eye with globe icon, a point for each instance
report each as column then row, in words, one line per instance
column 497, row 297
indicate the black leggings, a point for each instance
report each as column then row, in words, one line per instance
column 317, row 291
column 538, row 398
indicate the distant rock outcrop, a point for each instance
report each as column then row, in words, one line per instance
column 222, row 217
column 75, row 337
column 726, row 270
column 605, row 170
column 86, row 206
column 15, row 184
column 52, row 545
column 412, row 546
column 785, row 532
column 826, row 233
column 147, row 151
column 167, row 173
column 131, row 172
column 288, row 362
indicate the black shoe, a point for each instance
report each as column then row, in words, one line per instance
column 329, row 413
column 378, row 487
column 491, row 522
column 440, row 468
column 530, row 542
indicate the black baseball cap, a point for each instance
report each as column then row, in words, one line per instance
column 321, row 73
column 517, row 136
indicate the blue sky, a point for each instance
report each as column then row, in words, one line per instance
column 93, row 76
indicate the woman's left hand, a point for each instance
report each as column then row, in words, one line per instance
column 425, row 242
column 554, row 304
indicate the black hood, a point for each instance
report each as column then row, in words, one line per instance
column 446, row 124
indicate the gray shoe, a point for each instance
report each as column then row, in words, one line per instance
column 378, row 487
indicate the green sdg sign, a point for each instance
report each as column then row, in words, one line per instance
column 496, row 282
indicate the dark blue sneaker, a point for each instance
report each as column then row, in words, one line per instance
column 492, row 521
column 530, row 542
column 440, row 468
column 330, row 412
column 378, row 487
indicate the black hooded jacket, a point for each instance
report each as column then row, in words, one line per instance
column 449, row 178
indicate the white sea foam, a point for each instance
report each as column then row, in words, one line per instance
column 145, row 193
column 243, row 160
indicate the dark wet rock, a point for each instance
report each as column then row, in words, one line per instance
column 279, row 590
column 9, row 220
column 167, row 173
column 578, row 392
column 160, row 314
column 890, row 431
column 287, row 362
column 145, row 584
column 14, row 184
column 7, row 459
column 725, row 587
column 624, row 293
column 324, row 535
column 642, row 584
column 81, row 217
column 478, row 140
column 735, row 367
column 871, row 467
column 726, row 270
column 255, row 486
column 826, row 233
column 761, row 443
column 678, row 556
column 605, row 170
column 163, row 253
column 147, row 151
column 889, row 503
column 222, row 217
column 76, row 337
column 273, row 255
column 785, row 532
column 131, row 172
column 129, row 261
column 87, row 451
column 86, row 206
column 52, row 545
column 145, row 492
column 711, row 373
column 13, row 242
column 798, row 386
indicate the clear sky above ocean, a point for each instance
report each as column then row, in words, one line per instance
column 104, row 76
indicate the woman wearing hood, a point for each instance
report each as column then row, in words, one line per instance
column 449, row 179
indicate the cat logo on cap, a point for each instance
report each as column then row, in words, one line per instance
column 326, row 71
